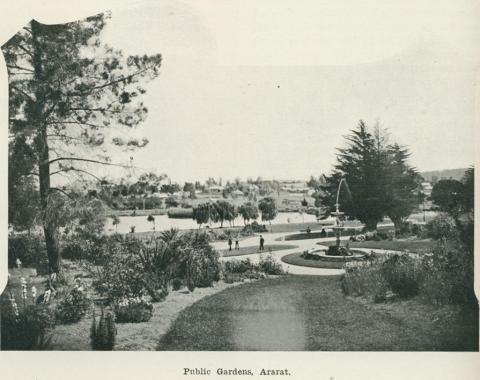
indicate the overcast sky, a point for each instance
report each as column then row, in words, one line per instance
column 268, row 88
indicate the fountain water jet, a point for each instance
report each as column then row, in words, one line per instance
column 336, row 256
column 337, row 249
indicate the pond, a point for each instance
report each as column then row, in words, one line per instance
column 163, row 222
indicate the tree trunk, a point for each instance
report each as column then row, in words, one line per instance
column 398, row 223
column 38, row 119
column 371, row 224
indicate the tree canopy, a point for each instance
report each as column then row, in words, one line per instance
column 66, row 89
column 248, row 211
column 268, row 208
column 379, row 181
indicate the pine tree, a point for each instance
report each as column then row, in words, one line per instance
column 65, row 89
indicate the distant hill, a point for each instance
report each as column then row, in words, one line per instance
column 444, row 174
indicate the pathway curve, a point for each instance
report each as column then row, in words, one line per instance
column 302, row 245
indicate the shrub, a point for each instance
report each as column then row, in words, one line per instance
column 200, row 266
column 364, row 281
column 102, row 336
column 25, row 327
column 177, row 283
column 442, row 227
column 238, row 266
column 384, row 235
column 133, row 310
column 30, row 249
column 89, row 247
column 268, row 265
column 73, row 306
column 255, row 227
column 74, row 250
column 419, row 231
column 134, row 268
column 449, row 276
column 403, row 275
column 122, row 277
column 203, row 268
column 28, row 330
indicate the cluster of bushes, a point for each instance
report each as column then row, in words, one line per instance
column 401, row 275
column 26, row 324
column 239, row 270
column 135, row 310
column 443, row 277
column 30, row 249
column 130, row 269
column 255, row 227
column 246, row 231
column 73, row 306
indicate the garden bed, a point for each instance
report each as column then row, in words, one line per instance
column 298, row 260
column 134, row 336
column 412, row 245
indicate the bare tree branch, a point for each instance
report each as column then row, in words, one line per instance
column 22, row 92
column 61, row 191
column 111, row 83
column 84, row 160
column 16, row 67
column 66, row 170
column 25, row 50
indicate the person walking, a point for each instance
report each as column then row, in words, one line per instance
column 229, row 243
column 262, row 241
column 237, row 246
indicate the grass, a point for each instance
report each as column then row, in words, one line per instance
column 415, row 246
column 311, row 313
column 254, row 249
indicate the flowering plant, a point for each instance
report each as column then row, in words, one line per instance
column 26, row 326
column 133, row 310
column 74, row 304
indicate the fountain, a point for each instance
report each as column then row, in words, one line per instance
column 335, row 256
column 337, row 249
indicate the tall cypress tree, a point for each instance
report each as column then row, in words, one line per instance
column 379, row 180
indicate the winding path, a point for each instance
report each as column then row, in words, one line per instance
column 303, row 245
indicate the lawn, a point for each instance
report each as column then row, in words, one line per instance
column 415, row 246
column 311, row 313
column 254, row 249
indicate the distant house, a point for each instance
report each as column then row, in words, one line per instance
column 181, row 194
column 159, row 195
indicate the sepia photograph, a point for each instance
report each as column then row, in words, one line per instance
column 270, row 176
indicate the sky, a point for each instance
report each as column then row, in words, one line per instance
column 269, row 88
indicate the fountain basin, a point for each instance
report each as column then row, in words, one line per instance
column 321, row 254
